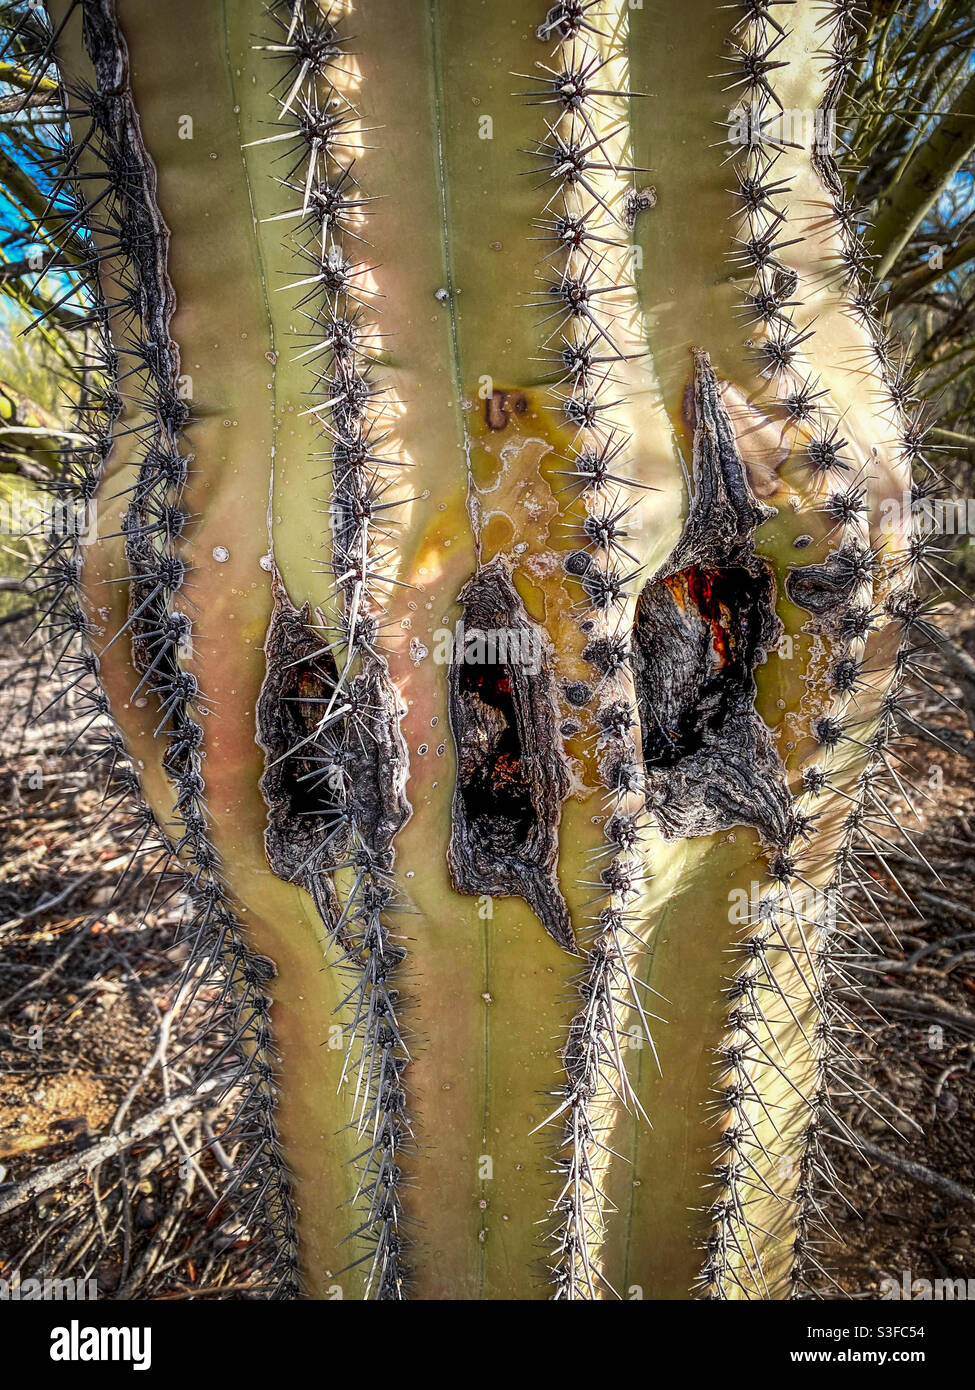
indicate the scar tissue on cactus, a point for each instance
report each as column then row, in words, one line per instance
column 492, row 437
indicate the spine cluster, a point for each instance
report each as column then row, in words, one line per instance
column 798, row 962
column 588, row 217
column 355, row 739
column 105, row 185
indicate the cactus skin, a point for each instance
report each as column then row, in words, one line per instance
column 445, row 371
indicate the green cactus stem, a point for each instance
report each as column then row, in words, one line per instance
column 493, row 600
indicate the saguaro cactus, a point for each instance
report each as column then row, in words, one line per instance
column 492, row 598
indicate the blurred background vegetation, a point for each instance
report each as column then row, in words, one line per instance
column 908, row 120
column 42, row 308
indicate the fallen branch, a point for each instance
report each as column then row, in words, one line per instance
column 949, row 908
column 43, row 977
column 915, row 1004
column 14, row 1195
column 946, row 1187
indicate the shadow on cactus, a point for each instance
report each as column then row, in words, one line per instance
column 492, row 586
